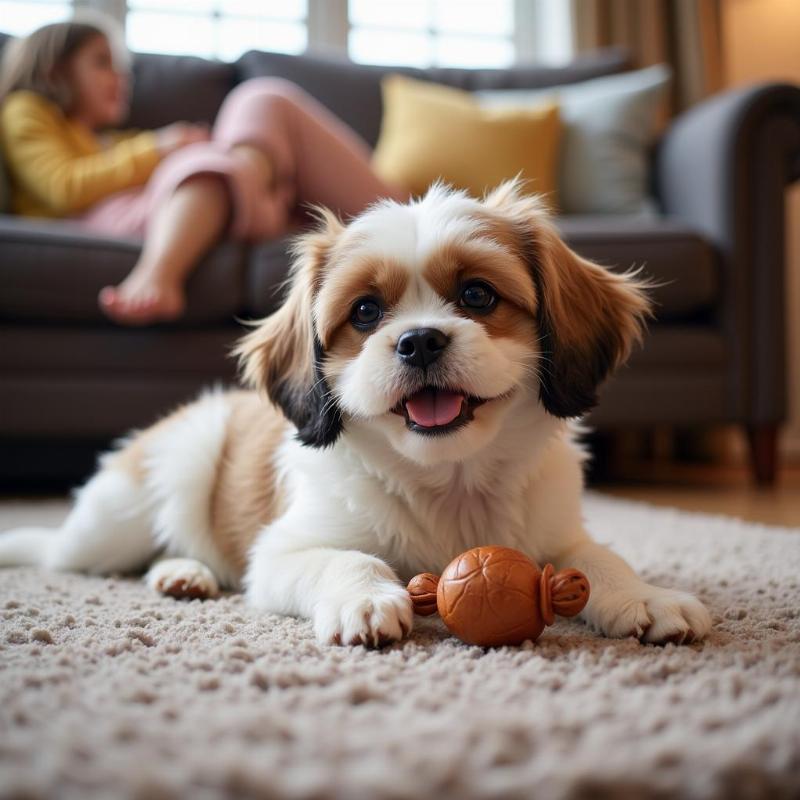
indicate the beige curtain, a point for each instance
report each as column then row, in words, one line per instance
column 686, row 34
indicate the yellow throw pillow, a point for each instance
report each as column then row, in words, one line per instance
column 429, row 131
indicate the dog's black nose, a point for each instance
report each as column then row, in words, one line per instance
column 422, row 346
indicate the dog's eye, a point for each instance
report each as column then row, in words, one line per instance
column 478, row 296
column 366, row 312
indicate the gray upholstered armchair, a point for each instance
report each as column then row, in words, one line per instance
column 723, row 167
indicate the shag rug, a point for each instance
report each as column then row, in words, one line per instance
column 107, row 690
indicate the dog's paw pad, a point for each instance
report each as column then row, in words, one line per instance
column 183, row 578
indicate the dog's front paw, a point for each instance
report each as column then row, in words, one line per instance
column 373, row 616
column 182, row 578
column 650, row 613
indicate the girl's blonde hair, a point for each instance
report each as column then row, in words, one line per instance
column 37, row 62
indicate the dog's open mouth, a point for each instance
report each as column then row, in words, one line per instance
column 435, row 411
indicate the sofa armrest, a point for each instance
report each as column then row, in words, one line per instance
column 723, row 167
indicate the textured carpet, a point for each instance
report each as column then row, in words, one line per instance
column 109, row 691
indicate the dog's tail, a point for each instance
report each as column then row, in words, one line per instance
column 25, row 546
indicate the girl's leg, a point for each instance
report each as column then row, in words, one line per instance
column 315, row 156
column 184, row 226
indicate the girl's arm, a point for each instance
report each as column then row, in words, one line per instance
column 116, row 136
column 47, row 164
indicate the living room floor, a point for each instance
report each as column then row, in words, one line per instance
column 713, row 489
column 109, row 689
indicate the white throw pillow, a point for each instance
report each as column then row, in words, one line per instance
column 609, row 127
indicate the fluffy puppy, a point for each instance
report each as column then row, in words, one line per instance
column 425, row 373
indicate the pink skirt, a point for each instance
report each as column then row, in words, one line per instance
column 316, row 157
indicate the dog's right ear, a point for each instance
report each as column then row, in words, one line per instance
column 283, row 355
column 588, row 317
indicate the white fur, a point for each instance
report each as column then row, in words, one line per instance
column 25, row 546
column 181, row 468
column 107, row 530
column 119, row 524
column 409, row 233
column 383, row 503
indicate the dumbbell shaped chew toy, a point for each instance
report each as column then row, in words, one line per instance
column 492, row 596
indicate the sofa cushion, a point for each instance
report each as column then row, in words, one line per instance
column 353, row 91
column 53, row 271
column 267, row 268
column 610, row 125
column 170, row 88
column 68, row 351
column 681, row 260
column 417, row 146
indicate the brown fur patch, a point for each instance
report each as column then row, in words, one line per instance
column 588, row 317
column 245, row 496
column 345, row 345
column 281, row 348
column 585, row 302
column 381, row 278
column 283, row 353
column 454, row 264
column 493, row 259
column 508, row 321
column 130, row 458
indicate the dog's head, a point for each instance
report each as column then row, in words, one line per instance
column 431, row 321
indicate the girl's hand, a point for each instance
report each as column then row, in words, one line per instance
column 179, row 134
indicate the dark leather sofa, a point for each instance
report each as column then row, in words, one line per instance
column 70, row 381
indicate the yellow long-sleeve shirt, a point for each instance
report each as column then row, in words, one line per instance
column 57, row 167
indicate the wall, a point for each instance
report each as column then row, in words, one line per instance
column 761, row 41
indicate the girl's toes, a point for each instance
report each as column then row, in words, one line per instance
column 107, row 297
column 141, row 305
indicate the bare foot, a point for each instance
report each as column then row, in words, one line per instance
column 141, row 300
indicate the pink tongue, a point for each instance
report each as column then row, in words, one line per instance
column 432, row 407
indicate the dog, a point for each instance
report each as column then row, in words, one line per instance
column 427, row 374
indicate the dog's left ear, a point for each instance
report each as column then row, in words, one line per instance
column 283, row 355
column 588, row 317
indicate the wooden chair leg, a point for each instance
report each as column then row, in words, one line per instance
column 763, row 441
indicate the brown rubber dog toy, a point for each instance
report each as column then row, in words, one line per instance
column 492, row 596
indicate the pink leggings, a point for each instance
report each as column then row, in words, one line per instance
column 317, row 158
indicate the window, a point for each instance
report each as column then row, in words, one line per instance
column 216, row 28
column 21, row 17
column 467, row 33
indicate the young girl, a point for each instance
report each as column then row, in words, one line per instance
column 181, row 187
